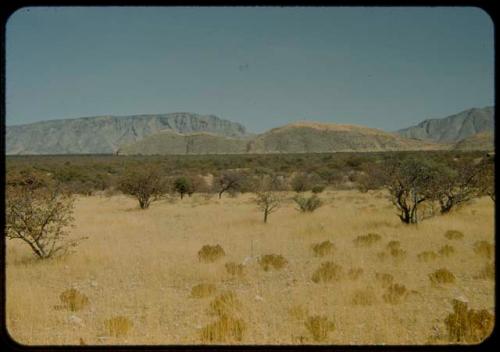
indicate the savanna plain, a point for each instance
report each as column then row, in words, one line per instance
column 348, row 273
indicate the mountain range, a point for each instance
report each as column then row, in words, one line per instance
column 188, row 133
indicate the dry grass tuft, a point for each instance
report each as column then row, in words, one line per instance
column 354, row 273
column 446, row 250
column 73, row 300
column 209, row 254
column 395, row 294
column 392, row 245
column 118, row 326
column 427, row 256
column 225, row 329
column 487, row 272
column 367, row 240
column 225, row 304
column 363, row 297
column 235, row 269
column 319, row 327
column 384, row 279
column 484, row 249
column 323, row 248
column 442, row 276
column 203, row 290
column 298, row 312
column 468, row 325
column 276, row 261
column 398, row 253
column 327, row 272
column 454, row 235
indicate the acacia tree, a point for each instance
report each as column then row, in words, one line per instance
column 39, row 216
column 183, row 185
column 268, row 201
column 146, row 184
column 229, row 181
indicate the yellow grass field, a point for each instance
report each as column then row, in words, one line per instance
column 143, row 264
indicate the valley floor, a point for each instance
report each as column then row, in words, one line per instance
column 143, row 264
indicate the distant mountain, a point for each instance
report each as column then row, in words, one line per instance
column 453, row 128
column 104, row 134
column 300, row 137
column 478, row 141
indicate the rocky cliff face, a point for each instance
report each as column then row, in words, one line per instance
column 453, row 128
column 104, row 134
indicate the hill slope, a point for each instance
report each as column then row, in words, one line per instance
column 478, row 141
column 104, row 134
column 453, row 128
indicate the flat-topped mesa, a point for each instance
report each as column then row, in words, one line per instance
column 330, row 126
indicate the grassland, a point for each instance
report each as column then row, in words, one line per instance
column 141, row 266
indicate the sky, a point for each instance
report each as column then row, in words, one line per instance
column 264, row 67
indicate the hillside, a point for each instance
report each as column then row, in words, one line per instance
column 478, row 141
column 104, row 134
column 453, row 128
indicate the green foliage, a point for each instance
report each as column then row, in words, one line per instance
column 307, row 204
column 183, row 185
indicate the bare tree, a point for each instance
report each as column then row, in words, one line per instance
column 146, row 184
column 39, row 216
column 267, row 200
column 229, row 181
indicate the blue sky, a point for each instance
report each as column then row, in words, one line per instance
column 386, row 68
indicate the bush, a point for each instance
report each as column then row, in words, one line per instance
column 183, row 185
column 146, row 184
column 209, row 254
column 318, row 189
column 307, row 204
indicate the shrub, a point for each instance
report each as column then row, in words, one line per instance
column 118, row 326
column 453, row 235
column 235, row 269
column 323, row 248
column 73, row 300
column 146, row 184
column 327, row 272
column 225, row 329
column 276, row 261
column 183, row 185
column 395, row 294
column 367, row 240
column 209, row 254
column 300, row 183
column 307, row 204
column 319, row 327
column 202, row 290
column 467, row 325
column 442, row 276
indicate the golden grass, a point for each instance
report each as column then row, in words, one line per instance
column 235, row 269
column 73, row 300
column 364, row 297
column 275, row 261
column 454, row 235
column 446, row 250
column 442, row 276
column 484, row 249
column 467, row 325
column 210, row 254
column 327, row 272
column 323, row 248
column 203, row 290
column 225, row 304
column 226, row 329
column 367, row 240
column 427, row 256
column 143, row 264
column 319, row 326
column 395, row 293
column 118, row 326
column 355, row 273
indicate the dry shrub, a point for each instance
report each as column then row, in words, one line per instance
column 446, row 250
column 468, row 325
column 453, row 235
column 235, row 269
column 118, row 326
column 363, row 297
column 277, row 261
column 225, row 304
column 427, row 256
column 392, row 245
column 398, row 253
column 487, row 272
column 209, row 254
column 298, row 312
column 319, row 327
column 73, row 300
column 442, row 276
column 384, row 279
column 323, row 248
column 484, row 249
column 327, row 272
column 225, row 329
column 354, row 273
column 202, row 290
column 367, row 240
column 395, row 294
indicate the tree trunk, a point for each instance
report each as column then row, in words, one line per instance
column 265, row 216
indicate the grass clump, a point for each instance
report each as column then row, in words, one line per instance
column 384, row 279
column 426, row 256
column 487, row 272
column 327, row 272
column 235, row 269
column 484, row 249
column 226, row 304
column 363, row 297
column 73, row 300
column 118, row 326
column 393, row 245
column 367, row 240
column 202, row 290
column 354, row 273
column 446, row 250
column 298, row 312
column 467, row 325
column 442, row 276
column 210, row 254
column 395, row 294
column 323, row 248
column 276, row 261
column 225, row 329
column 453, row 235
column 319, row 327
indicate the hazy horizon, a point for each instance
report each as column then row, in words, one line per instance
column 385, row 68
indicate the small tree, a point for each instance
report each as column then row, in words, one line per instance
column 267, row 200
column 229, row 181
column 145, row 184
column 183, row 185
column 39, row 216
